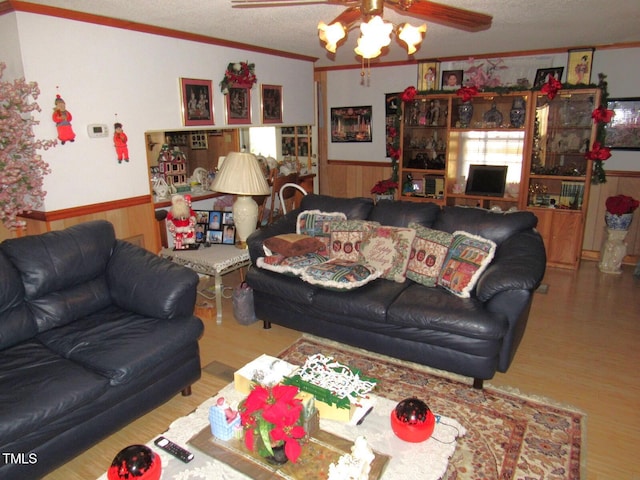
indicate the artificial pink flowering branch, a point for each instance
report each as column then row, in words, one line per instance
column 22, row 169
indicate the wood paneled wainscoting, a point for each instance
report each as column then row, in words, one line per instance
column 348, row 178
column 133, row 220
column 618, row 182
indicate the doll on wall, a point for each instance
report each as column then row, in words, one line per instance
column 181, row 221
column 120, row 142
column 62, row 119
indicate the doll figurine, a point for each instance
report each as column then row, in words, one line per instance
column 120, row 142
column 181, row 221
column 62, row 119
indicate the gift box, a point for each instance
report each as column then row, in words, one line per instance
column 264, row 370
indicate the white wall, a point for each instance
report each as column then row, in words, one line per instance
column 622, row 67
column 103, row 71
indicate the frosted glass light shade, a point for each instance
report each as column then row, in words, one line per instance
column 411, row 35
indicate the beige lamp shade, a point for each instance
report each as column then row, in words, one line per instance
column 241, row 175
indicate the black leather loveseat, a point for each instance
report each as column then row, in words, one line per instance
column 474, row 337
column 94, row 332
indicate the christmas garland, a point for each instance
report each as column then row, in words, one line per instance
column 240, row 74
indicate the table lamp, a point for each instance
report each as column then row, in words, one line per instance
column 241, row 175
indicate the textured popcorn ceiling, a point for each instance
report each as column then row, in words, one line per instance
column 517, row 25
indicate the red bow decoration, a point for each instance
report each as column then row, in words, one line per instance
column 409, row 94
column 551, row 88
column 602, row 115
column 598, row 152
column 392, row 132
column 467, row 93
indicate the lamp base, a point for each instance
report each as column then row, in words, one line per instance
column 245, row 217
column 242, row 245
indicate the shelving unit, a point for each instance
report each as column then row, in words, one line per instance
column 543, row 143
column 296, row 144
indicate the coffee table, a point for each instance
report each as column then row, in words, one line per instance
column 215, row 261
column 427, row 460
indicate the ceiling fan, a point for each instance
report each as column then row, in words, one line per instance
column 435, row 12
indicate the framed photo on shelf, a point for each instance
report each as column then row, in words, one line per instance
column 229, row 235
column 215, row 220
column 579, row 66
column 227, row 218
column 198, row 140
column 239, row 106
column 428, row 75
column 543, row 75
column 271, row 104
column 214, row 236
column 197, row 105
column 451, row 79
column 623, row 131
column 351, row 124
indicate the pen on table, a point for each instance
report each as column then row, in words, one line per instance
column 364, row 416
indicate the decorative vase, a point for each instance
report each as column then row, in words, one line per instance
column 614, row 248
column 465, row 112
column 517, row 112
column 278, row 457
column 618, row 222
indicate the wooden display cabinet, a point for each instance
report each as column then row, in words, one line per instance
column 558, row 176
column 425, row 137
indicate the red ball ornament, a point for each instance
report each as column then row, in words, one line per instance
column 412, row 420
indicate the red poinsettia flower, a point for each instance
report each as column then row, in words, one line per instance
column 550, row 89
column 393, row 152
column 392, row 132
column 467, row 93
column 384, row 187
column 621, row 204
column 409, row 94
column 290, row 436
column 602, row 115
column 598, row 152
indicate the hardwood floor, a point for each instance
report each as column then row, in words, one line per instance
column 582, row 348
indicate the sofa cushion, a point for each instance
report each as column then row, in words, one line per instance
column 496, row 226
column 401, row 213
column 290, row 265
column 281, row 286
column 292, row 244
column 120, row 345
column 468, row 256
column 346, row 238
column 387, row 249
column 338, row 274
column 16, row 319
column 38, row 386
column 354, row 208
column 428, row 253
column 317, row 224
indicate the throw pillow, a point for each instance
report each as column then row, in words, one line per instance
column 316, row 223
column 388, row 249
column 290, row 265
column 346, row 238
column 292, row 244
column 428, row 252
column 469, row 255
column 338, row 274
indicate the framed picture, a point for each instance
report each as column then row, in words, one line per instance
column 451, row 79
column 215, row 220
column 197, row 105
column 392, row 103
column 227, row 218
column 351, row 124
column 623, row 131
column 579, row 66
column 271, row 104
column 229, row 235
column 428, row 75
column 198, row 140
column 239, row 106
column 201, row 232
column 214, row 236
column 543, row 75
column 202, row 216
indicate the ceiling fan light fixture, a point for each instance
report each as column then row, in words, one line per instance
column 412, row 36
column 331, row 35
column 377, row 30
column 368, row 47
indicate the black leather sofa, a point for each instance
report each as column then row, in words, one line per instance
column 474, row 337
column 94, row 332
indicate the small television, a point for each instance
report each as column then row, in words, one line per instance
column 486, row 180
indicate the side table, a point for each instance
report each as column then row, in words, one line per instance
column 215, row 261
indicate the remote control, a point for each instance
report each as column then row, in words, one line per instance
column 174, row 449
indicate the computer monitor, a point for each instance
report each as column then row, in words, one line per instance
column 486, row 180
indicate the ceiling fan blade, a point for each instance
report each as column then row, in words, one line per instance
column 347, row 17
column 273, row 3
column 443, row 14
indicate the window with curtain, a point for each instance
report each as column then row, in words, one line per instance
column 493, row 148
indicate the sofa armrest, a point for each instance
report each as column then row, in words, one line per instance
column 285, row 224
column 144, row 283
column 519, row 264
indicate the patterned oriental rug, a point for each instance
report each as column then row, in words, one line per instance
column 509, row 435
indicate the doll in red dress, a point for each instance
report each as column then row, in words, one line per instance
column 62, row 119
column 120, row 142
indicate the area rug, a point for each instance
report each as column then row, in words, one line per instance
column 509, row 435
